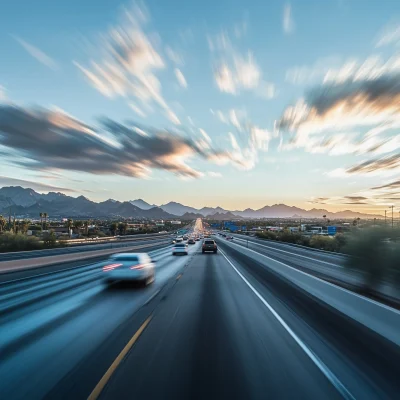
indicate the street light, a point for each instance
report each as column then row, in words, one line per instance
column 392, row 214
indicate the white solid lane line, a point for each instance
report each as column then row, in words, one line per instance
column 323, row 281
column 293, row 254
column 314, row 358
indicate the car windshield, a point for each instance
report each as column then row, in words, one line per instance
column 125, row 258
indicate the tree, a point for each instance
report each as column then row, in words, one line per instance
column 3, row 223
column 69, row 224
column 122, row 227
column 41, row 219
column 77, row 225
column 86, row 226
column 369, row 252
column 45, row 216
column 113, row 228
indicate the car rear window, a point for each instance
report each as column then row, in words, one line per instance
column 209, row 241
column 180, row 245
column 125, row 258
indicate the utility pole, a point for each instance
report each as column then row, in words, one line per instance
column 385, row 217
column 392, row 214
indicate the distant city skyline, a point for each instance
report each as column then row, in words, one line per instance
column 232, row 104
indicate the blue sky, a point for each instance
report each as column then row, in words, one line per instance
column 209, row 85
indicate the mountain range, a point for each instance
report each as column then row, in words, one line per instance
column 27, row 202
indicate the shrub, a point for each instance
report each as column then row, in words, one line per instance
column 323, row 243
column 371, row 254
column 50, row 239
column 18, row 242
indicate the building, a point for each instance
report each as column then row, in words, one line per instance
column 175, row 222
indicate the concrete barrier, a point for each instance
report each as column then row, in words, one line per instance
column 18, row 265
column 378, row 317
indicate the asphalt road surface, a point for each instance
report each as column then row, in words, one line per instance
column 212, row 326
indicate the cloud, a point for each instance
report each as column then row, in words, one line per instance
column 376, row 165
column 224, row 79
column 330, row 116
column 287, row 23
column 47, row 140
column 181, row 78
column 172, row 117
column 306, row 74
column 37, row 54
column 6, row 181
column 129, row 63
column 3, row 96
column 233, row 118
column 213, row 174
column 391, row 185
column 137, row 110
column 243, row 74
column 174, row 56
column 390, row 35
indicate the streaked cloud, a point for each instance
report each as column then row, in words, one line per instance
column 130, row 62
column 7, row 181
column 137, row 110
column 213, row 174
column 243, row 74
column 390, row 35
column 3, row 95
column 38, row 54
column 172, row 117
column 180, row 77
column 174, row 56
column 287, row 22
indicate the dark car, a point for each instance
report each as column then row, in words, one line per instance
column 209, row 245
column 191, row 241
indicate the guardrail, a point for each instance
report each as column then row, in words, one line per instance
column 117, row 243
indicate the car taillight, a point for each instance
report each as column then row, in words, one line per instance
column 110, row 267
column 137, row 266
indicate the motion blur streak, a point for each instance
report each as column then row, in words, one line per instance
column 227, row 319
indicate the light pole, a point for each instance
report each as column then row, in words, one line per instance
column 392, row 214
column 385, row 217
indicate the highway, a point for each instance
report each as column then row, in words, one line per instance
column 211, row 326
column 114, row 244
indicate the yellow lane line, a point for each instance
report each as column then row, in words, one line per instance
column 106, row 377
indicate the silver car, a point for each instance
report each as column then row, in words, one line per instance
column 129, row 267
column 180, row 248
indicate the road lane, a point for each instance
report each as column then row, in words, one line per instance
column 212, row 338
column 42, row 343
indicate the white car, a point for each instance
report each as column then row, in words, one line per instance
column 180, row 248
column 129, row 267
column 179, row 239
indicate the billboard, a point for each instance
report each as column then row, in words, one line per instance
column 332, row 230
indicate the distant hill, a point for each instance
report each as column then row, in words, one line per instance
column 177, row 208
column 142, row 204
column 29, row 203
column 224, row 216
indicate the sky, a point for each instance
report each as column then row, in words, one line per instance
column 230, row 103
